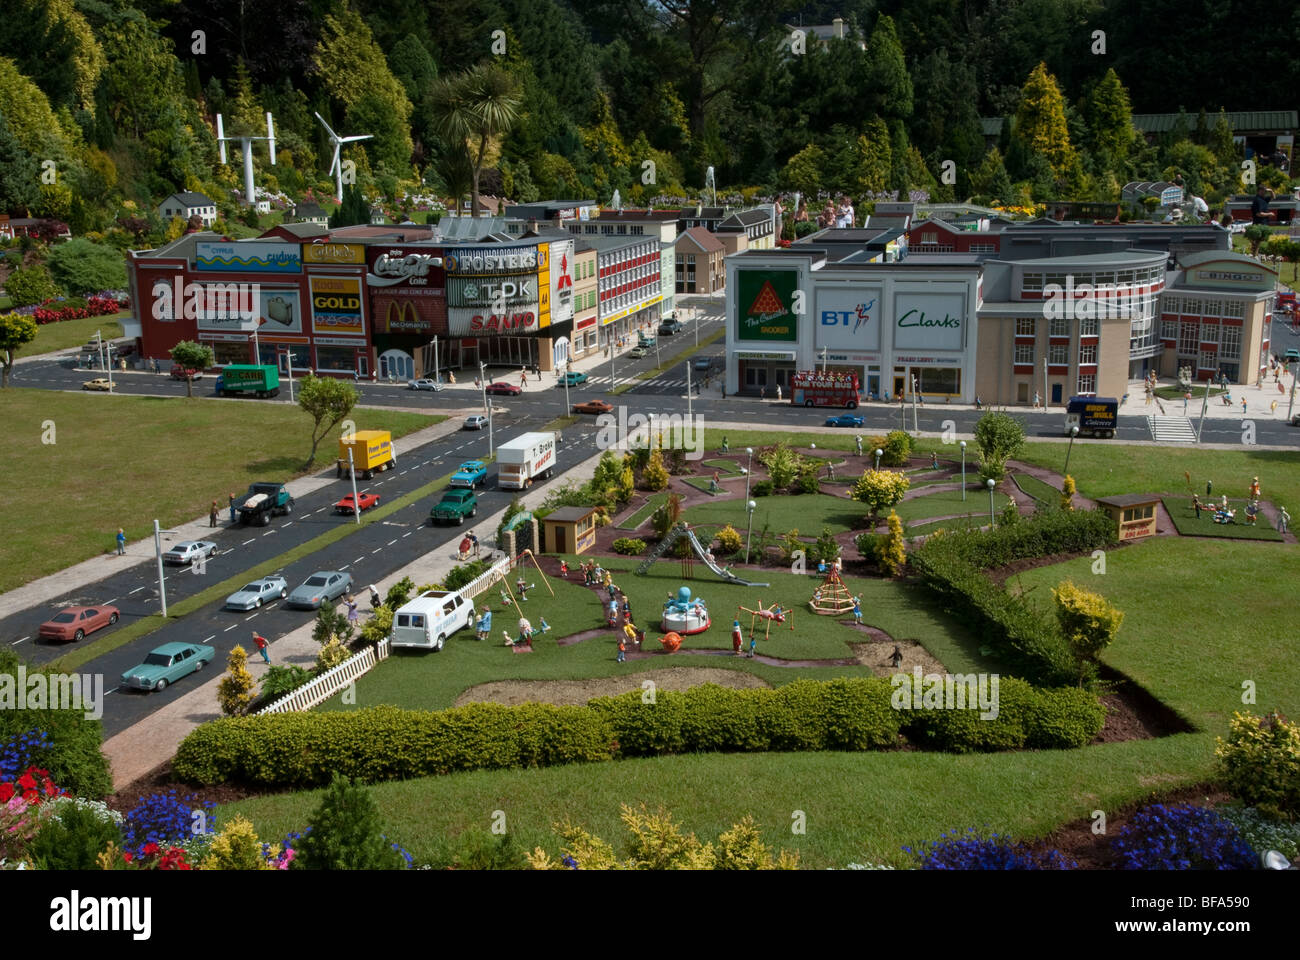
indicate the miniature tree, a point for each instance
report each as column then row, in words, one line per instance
column 331, row 626
column 897, row 445
column 879, row 489
column 729, row 539
column 345, row 833
column 666, row 517
column 1088, row 620
column 894, row 556
column 235, row 691
column 190, row 355
column 999, row 438
column 1067, row 493
column 331, row 655
column 399, row 593
column 655, row 476
column 327, row 401
column 15, row 331
column 791, row 543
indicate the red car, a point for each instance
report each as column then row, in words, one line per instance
column 367, row 501
column 592, row 406
column 73, row 623
column 509, row 389
column 182, row 373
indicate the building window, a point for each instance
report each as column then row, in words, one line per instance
column 1187, row 342
column 1088, row 353
column 1231, row 347
column 1169, row 330
column 607, row 229
column 1055, row 278
column 1087, row 383
column 1088, row 327
column 1107, row 277
column 1024, row 353
column 1209, row 360
column 1209, row 333
column 1024, row 326
column 1032, row 281
column 983, row 248
column 1060, row 327
column 1234, row 308
column 1056, row 354
column 1191, row 308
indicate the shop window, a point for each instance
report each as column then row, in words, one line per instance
column 755, row 376
column 337, row 359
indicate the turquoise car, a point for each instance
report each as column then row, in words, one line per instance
column 167, row 664
column 472, row 473
column 573, row 378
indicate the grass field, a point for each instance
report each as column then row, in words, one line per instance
column 434, row 680
column 122, row 461
column 69, row 334
column 949, row 503
column 652, row 503
column 1184, row 518
column 808, row 513
column 1040, row 490
column 1198, row 391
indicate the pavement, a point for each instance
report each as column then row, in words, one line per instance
column 140, row 748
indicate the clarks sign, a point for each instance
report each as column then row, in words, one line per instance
column 402, row 266
column 929, row 320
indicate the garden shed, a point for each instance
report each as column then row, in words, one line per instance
column 569, row 530
column 1134, row 514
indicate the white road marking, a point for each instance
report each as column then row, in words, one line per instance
column 136, row 590
column 213, row 637
column 358, row 559
column 376, row 550
column 106, row 602
column 268, row 533
column 229, row 628
column 391, row 542
column 246, row 619
column 16, row 642
column 285, row 524
column 248, row 541
column 405, row 535
column 318, row 511
column 345, row 566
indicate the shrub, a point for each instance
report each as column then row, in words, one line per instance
column 879, row 489
column 992, row 471
column 378, row 626
column 236, row 847
column 345, row 833
column 826, row 549
column 1262, row 832
column 897, row 447
column 999, row 437
column 783, row 465
column 763, row 488
column 330, row 656
column 165, row 818
column 1259, row 763
column 1088, row 620
column 629, row 546
column 29, row 285
column 235, row 691
column 893, row 556
column 397, row 596
column 729, row 539
column 1181, row 838
column 808, row 480
column 975, row 851
column 332, row 625
column 283, row 679
column 1010, row 514
column 655, row 476
column 73, row 837
column 667, row 516
column 1067, row 493
column 462, row 574
column 790, row 544
column 479, row 850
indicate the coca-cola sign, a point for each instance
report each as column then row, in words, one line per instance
column 405, row 265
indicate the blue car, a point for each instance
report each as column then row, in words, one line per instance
column 472, row 473
column 844, row 420
column 572, row 378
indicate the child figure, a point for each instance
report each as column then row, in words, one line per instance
column 857, row 609
column 613, row 612
column 545, row 627
column 564, row 569
column 934, row 461
column 484, row 627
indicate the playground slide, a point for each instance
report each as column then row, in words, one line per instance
column 725, row 575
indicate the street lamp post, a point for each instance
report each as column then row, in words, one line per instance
column 750, row 505
column 567, row 408
column 352, row 472
column 689, row 404
column 915, row 428
column 963, row 471
column 879, row 453
column 610, row 342
column 1074, row 432
column 695, row 322
column 1205, row 403
column 749, row 469
column 824, row 361
column 289, row 358
column 1291, row 406
column 162, row 585
column 991, row 484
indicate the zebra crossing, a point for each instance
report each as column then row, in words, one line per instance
column 1171, row 429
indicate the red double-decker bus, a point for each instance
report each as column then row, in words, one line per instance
column 813, row 388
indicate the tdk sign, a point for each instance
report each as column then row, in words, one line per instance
column 855, row 318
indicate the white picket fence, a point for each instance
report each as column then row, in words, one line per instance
column 486, row 579
column 330, row 682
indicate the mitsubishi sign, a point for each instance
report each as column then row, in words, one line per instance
column 848, row 317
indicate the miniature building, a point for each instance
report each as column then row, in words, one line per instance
column 1134, row 514
column 569, row 530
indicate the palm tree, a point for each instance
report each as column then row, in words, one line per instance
column 472, row 111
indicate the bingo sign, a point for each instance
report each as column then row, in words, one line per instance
column 336, row 306
column 765, row 304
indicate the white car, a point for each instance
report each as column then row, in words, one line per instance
column 190, row 550
column 253, row 595
column 476, row 422
column 424, row 385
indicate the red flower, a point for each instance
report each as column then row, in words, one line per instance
column 127, row 856
column 150, row 849
column 27, row 781
column 6, row 792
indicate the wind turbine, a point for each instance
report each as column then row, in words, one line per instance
column 336, row 166
column 247, row 144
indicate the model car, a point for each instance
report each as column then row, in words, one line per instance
column 645, row 340
column 167, row 664
column 572, row 378
column 73, row 623
column 637, row 352
column 844, row 420
column 319, row 587
column 471, row 473
column 592, row 406
column 365, row 500
column 508, row 389
column 252, row 595
column 476, row 422
column 187, row 551
column 669, row 327
column 433, row 385
column 99, row 383
column 185, row 373
column 702, row 363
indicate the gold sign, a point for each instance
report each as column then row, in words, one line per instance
column 333, row 253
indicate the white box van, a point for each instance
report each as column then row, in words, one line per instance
column 426, row 622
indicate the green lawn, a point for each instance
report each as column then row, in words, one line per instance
column 808, row 513
column 121, row 461
column 1103, row 468
column 949, row 503
column 1198, row 391
column 68, row 334
column 433, row 681
column 1184, row 517
column 1040, row 490
column 652, row 503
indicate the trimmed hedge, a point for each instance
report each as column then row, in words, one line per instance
column 952, row 564
column 385, row 743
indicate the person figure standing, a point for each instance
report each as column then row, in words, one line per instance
column 725, row 446
column 1196, row 505
column 473, row 539
column 737, row 638
column 260, row 642
column 622, row 649
column 1283, row 519
column 352, row 610
column 1243, row 406
column 753, row 646
column 857, row 609
column 1254, row 488
column 858, row 441
column 778, row 393
column 232, row 508
column 121, row 542
column 212, row 515
column 375, row 599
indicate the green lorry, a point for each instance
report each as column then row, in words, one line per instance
column 249, row 380
column 454, row 506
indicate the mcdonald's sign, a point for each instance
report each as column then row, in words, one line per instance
column 400, row 316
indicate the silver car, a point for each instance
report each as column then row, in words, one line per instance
column 320, row 587
column 253, row 595
column 477, row 422
column 187, row 551
column 433, row 385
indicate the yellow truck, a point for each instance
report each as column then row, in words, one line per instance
column 372, row 452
